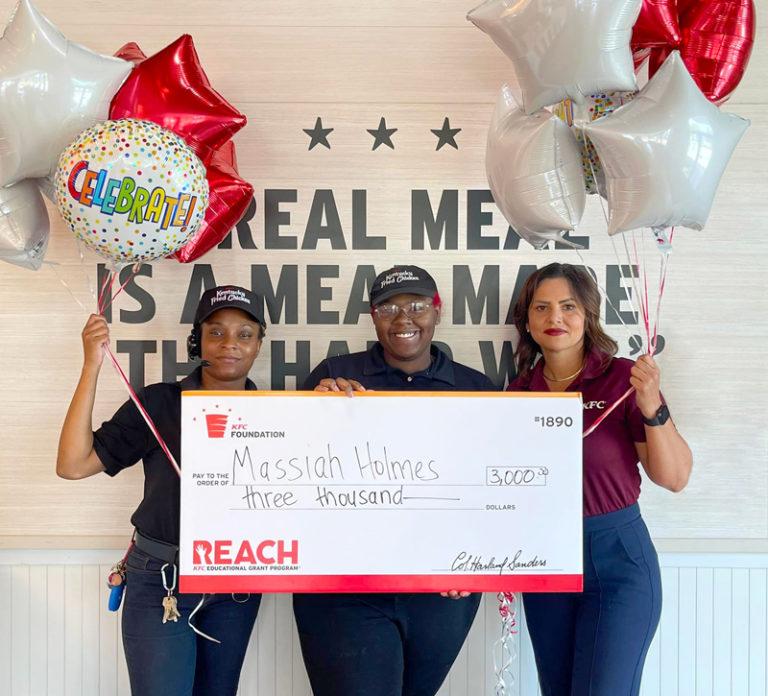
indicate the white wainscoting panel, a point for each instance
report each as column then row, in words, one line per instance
column 58, row 638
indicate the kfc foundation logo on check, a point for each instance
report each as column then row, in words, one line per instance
column 226, row 554
column 216, row 423
column 220, row 424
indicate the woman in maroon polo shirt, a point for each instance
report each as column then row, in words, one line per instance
column 594, row 643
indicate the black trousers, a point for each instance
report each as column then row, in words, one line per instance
column 381, row 644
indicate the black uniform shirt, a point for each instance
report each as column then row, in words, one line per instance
column 125, row 439
column 372, row 371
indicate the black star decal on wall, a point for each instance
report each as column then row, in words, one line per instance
column 382, row 135
column 446, row 135
column 318, row 135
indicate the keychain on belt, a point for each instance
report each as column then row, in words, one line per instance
column 170, row 609
column 116, row 581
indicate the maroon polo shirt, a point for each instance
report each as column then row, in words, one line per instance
column 611, row 474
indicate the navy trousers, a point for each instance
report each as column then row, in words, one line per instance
column 171, row 659
column 381, row 644
column 594, row 643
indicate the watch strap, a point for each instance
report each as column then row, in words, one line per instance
column 661, row 416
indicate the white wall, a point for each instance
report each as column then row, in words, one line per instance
column 57, row 637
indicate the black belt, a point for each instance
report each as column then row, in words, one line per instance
column 159, row 549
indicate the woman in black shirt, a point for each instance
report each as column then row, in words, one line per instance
column 174, row 644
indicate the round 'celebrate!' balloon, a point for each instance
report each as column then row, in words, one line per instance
column 131, row 190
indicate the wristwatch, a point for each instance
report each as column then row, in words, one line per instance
column 661, row 417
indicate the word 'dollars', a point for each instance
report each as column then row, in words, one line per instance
column 266, row 552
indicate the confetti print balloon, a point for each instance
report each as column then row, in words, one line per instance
column 596, row 106
column 131, row 190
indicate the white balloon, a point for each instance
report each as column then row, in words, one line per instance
column 562, row 48
column 663, row 153
column 24, row 226
column 534, row 171
column 50, row 90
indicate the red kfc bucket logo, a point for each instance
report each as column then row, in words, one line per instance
column 216, row 423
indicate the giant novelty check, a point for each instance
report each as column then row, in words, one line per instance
column 381, row 492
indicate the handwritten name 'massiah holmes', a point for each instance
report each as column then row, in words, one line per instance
column 368, row 463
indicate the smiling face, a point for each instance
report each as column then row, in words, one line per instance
column 406, row 340
column 556, row 317
column 230, row 341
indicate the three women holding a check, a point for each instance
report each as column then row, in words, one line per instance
column 592, row 643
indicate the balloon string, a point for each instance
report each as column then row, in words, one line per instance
column 505, row 647
column 628, row 281
column 651, row 341
column 605, row 217
column 644, row 296
column 111, row 297
column 646, row 306
column 643, row 302
column 610, row 410
column 662, row 287
column 144, row 414
column 108, row 282
column 630, row 296
column 634, row 272
column 585, row 140
column 604, row 291
column 66, row 286
column 629, row 391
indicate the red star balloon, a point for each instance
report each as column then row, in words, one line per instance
column 228, row 199
column 171, row 89
column 656, row 26
column 190, row 107
column 717, row 43
column 717, row 39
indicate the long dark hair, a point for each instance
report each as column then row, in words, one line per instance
column 584, row 290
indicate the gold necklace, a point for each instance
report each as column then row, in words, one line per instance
column 563, row 379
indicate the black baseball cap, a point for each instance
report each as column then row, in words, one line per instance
column 231, row 296
column 410, row 280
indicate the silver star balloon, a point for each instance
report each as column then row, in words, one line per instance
column 24, row 227
column 562, row 48
column 663, row 153
column 534, row 171
column 50, row 90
